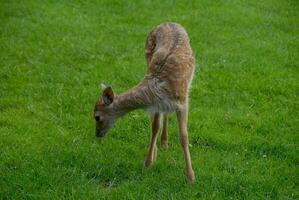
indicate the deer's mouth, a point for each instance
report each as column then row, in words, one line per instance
column 100, row 133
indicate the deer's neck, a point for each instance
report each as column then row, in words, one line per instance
column 133, row 99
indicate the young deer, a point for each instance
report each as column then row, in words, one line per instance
column 164, row 89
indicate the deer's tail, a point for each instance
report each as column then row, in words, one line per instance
column 150, row 46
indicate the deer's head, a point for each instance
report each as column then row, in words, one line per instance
column 103, row 112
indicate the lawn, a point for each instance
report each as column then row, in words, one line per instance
column 243, row 123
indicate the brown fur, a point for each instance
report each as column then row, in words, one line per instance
column 164, row 89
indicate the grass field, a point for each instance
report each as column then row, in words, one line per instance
column 244, row 120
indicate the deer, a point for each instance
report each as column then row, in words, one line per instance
column 163, row 90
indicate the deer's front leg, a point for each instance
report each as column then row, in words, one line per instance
column 182, row 116
column 152, row 153
column 164, row 136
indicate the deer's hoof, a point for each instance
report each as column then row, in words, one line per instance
column 190, row 177
column 148, row 163
column 164, row 145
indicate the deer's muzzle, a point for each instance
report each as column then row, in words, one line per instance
column 100, row 133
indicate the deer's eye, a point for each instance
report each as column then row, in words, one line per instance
column 97, row 118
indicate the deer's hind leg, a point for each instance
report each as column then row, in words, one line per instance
column 164, row 135
column 152, row 152
column 149, row 47
column 182, row 115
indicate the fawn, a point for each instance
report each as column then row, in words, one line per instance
column 164, row 89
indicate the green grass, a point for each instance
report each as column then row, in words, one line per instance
column 244, row 121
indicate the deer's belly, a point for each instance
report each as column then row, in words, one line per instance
column 163, row 106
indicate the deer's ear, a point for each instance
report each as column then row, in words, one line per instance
column 108, row 95
column 103, row 86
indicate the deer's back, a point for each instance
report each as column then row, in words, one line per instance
column 170, row 61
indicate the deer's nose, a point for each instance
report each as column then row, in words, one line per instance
column 100, row 133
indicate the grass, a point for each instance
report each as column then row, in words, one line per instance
column 244, row 100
